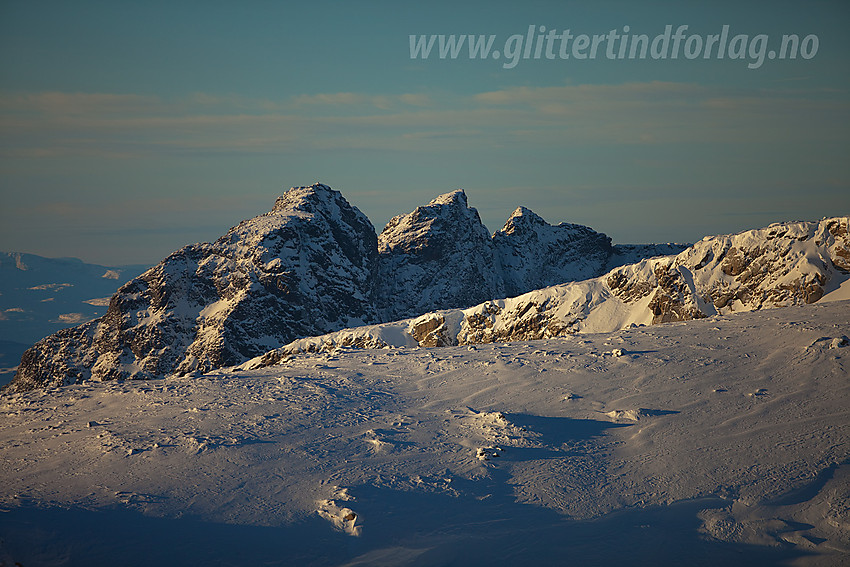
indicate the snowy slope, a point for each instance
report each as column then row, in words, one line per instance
column 720, row 441
column 39, row 296
column 783, row 264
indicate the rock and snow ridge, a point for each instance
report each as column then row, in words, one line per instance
column 784, row 264
column 535, row 254
column 39, row 296
column 441, row 256
column 310, row 266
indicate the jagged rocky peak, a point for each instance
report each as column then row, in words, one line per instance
column 522, row 219
column 429, row 226
column 305, row 268
column 316, row 198
column 437, row 257
column 534, row 254
column 456, row 197
column 528, row 225
column 316, row 211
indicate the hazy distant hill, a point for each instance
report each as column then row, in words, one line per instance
column 39, row 296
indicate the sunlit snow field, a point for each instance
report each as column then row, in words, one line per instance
column 717, row 441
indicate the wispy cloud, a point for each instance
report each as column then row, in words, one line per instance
column 343, row 99
column 625, row 92
column 76, row 104
column 381, row 102
column 51, row 124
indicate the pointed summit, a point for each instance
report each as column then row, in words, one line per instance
column 535, row 254
column 305, row 268
column 456, row 197
column 447, row 206
column 439, row 255
column 522, row 219
column 305, row 198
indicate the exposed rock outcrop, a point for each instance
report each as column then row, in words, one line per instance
column 535, row 254
column 437, row 257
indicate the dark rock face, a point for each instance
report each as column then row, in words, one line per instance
column 310, row 266
column 437, row 257
column 535, row 254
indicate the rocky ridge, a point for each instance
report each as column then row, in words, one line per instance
column 535, row 254
column 784, row 264
column 438, row 256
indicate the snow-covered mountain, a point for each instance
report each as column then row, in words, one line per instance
column 441, row 256
column 535, row 254
column 437, row 257
column 39, row 296
column 310, row 266
column 304, row 268
column 784, row 264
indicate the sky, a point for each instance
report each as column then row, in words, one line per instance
column 130, row 129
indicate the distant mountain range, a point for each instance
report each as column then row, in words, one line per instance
column 310, row 266
column 313, row 275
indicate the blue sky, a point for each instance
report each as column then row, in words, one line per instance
column 128, row 130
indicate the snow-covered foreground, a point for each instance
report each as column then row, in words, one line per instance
column 717, row 441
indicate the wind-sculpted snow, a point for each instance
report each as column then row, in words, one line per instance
column 719, row 441
column 784, row 264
